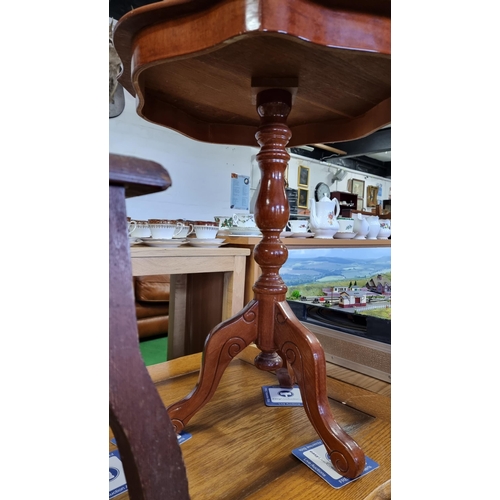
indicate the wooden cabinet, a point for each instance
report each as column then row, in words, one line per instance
column 347, row 201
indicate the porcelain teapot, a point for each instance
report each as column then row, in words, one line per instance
column 323, row 218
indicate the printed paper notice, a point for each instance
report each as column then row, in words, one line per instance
column 240, row 192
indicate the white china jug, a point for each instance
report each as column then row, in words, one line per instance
column 374, row 222
column 323, row 218
column 361, row 226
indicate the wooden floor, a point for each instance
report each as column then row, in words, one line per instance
column 241, row 449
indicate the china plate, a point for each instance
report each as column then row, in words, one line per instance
column 199, row 242
column 253, row 235
column 244, row 230
column 163, row 243
column 241, row 233
column 134, row 241
column 348, row 235
column 302, row 235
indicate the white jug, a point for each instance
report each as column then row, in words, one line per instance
column 374, row 222
column 361, row 226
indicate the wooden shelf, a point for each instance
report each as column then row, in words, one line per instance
column 310, row 242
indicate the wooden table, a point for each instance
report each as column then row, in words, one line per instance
column 279, row 74
column 241, row 449
column 179, row 263
column 253, row 270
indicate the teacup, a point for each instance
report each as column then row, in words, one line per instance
column 131, row 226
column 187, row 229
column 224, row 221
column 346, row 224
column 298, row 226
column 206, row 231
column 142, row 229
column 164, row 229
column 244, row 220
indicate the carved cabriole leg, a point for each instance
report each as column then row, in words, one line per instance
column 307, row 359
column 223, row 343
column 279, row 331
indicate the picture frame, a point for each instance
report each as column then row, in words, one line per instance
column 371, row 196
column 303, row 198
column 303, row 176
column 358, row 188
column 359, row 204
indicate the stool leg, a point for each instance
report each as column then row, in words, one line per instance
column 304, row 353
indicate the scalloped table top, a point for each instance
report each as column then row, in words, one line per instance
column 196, row 66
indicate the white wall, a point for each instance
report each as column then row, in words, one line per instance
column 322, row 172
column 201, row 172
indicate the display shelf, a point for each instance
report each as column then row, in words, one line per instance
column 347, row 201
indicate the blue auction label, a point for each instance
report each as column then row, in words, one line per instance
column 315, row 456
column 117, row 480
column 274, row 395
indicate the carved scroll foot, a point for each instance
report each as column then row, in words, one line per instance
column 223, row 343
column 304, row 353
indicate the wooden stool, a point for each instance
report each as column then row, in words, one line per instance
column 147, row 441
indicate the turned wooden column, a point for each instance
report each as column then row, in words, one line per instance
column 271, row 215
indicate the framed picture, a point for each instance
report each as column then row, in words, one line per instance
column 359, row 204
column 371, row 196
column 303, row 177
column 358, row 188
column 303, row 198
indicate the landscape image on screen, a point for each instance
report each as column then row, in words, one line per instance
column 354, row 279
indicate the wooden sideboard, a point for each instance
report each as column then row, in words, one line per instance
column 253, row 270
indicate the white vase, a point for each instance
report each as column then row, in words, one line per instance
column 361, row 226
column 374, row 223
column 385, row 229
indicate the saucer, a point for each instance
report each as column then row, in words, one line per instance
column 206, row 243
column 134, row 241
column 302, row 235
column 244, row 230
column 163, row 243
column 285, row 234
column 347, row 235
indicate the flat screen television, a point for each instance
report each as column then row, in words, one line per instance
column 346, row 289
